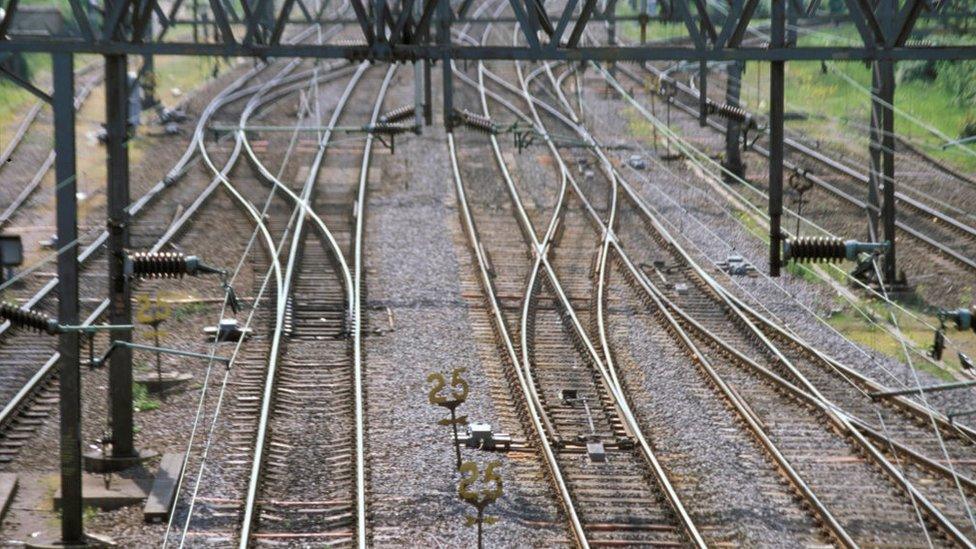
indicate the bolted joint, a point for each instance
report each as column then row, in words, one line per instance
column 962, row 317
column 115, row 227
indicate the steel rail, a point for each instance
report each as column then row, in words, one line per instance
column 220, row 180
column 46, row 164
column 28, row 120
column 25, row 123
column 833, row 189
column 228, row 95
column 540, row 251
column 259, row 99
column 828, row 407
column 257, row 464
column 619, row 400
column 938, row 165
column 136, row 207
column 233, row 92
column 525, row 231
column 540, row 422
column 358, row 319
column 870, row 385
column 50, row 367
column 610, row 241
column 908, row 404
column 273, row 180
column 840, row 420
column 831, row 411
column 615, row 391
column 530, row 398
column 816, row 397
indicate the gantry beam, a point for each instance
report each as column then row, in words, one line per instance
column 436, row 52
column 396, row 30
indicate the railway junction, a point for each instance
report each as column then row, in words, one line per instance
column 501, row 273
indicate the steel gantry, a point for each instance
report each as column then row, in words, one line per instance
column 421, row 31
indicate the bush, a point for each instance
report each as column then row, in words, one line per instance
column 959, row 79
column 922, row 71
column 16, row 64
column 968, row 128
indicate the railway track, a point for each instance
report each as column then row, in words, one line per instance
column 919, row 218
column 590, row 497
column 91, row 77
column 33, row 359
column 322, row 308
column 619, row 495
column 718, row 532
column 227, row 507
column 574, row 270
column 849, row 507
column 32, row 381
column 712, row 316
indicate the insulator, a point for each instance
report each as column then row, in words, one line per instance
column 477, row 121
column 387, row 128
column 828, row 249
column 919, row 43
column 350, row 43
column 815, row 249
column 146, row 265
column 25, row 318
column 397, row 115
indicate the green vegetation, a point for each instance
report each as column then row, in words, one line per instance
column 802, row 271
column 141, row 401
column 751, row 225
column 656, row 30
column 186, row 310
column 866, row 322
column 865, row 328
column 941, row 94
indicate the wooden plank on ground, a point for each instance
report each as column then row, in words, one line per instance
column 160, row 499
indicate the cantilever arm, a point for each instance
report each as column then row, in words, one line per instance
column 98, row 362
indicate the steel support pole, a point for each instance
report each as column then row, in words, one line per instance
column 643, row 22
column 69, row 378
column 419, row 109
column 428, row 96
column 418, row 93
column 886, row 71
column 196, row 17
column 733, row 129
column 791, row 24
column 874, row 155
column 612, row 34
column 149, row 69
column 888, row 165
column 703, row 93
column 120, row 307
column 443, row 39
column 776, row 100
column 149, row 99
